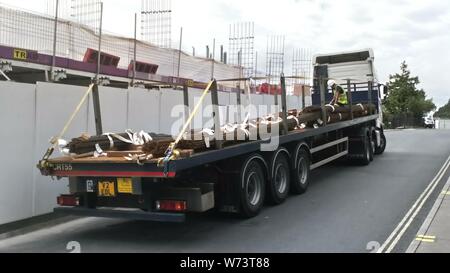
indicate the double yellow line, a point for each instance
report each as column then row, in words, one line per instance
column 405, row 223
column 426, row 239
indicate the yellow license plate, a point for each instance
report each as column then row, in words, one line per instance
column 106, row 189
column 125, row 185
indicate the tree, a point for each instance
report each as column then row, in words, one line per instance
column 444, row 111
column 404, row 96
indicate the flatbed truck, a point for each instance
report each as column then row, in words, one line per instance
column 238, row 179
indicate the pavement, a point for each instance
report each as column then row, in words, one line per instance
column 346, row 209
column 434, row 235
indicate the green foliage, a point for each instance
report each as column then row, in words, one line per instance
column 404, row 96
column 444, row 111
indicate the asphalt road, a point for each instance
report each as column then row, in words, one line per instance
column 345, row 209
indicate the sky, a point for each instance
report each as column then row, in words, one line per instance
column 415, row 31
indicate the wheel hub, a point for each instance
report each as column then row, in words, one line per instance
column 280, row 178
column 301, row 171
column 253, row 189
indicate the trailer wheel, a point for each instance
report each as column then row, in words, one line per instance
column 252, row 189
column 380, row 149
column 301, row 172
column 279, row 183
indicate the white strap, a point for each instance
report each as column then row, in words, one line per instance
column 62, row 147
column 99, row 152
column 134, row 138
column 333, row 109
column 296, row 120
column 111, row 141
column 209, row 133
column 139, row 158
column 141, row 138
column 232, row 128
column 265, row 120
column 119, row 137
column 229, row 128
column 246, row 132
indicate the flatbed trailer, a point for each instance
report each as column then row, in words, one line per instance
column 236, row 179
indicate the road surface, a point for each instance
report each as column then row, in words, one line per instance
column 347, row 209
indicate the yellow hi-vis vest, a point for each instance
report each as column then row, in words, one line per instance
column 342, row 98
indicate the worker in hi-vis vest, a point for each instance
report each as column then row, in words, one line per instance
column 339, row 94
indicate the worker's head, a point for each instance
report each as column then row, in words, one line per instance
column 331, row 83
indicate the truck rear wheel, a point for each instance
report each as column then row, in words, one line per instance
column 367, row 152
column 373, row 144
column 380, row 149
column 252, row 188
column 279, row 183
column 301, row 172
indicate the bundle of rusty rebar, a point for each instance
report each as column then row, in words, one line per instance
column 203, row 140
column 85, row 143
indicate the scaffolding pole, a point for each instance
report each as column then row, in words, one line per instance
column 135, row 50
column 55, row 32
column 95, row 91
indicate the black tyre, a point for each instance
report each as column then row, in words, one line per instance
column 252, row 188
column 279, row 183
column 373, row 146
column 366, row 152
column 301, row 172
column 380, row 149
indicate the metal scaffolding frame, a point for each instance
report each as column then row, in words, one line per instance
column 242, row 47
column 85, row 12
column 302, row 66
column 156, row 22
column 275, row 57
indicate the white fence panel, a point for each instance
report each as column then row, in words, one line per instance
column 114, row 109
column 54, row 105
column 17, row 165
column 143, row 110
column 443, row 124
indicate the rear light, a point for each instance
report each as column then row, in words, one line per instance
column 171, row 205
column 68, row 201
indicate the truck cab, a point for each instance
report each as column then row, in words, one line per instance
column 355, row 72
